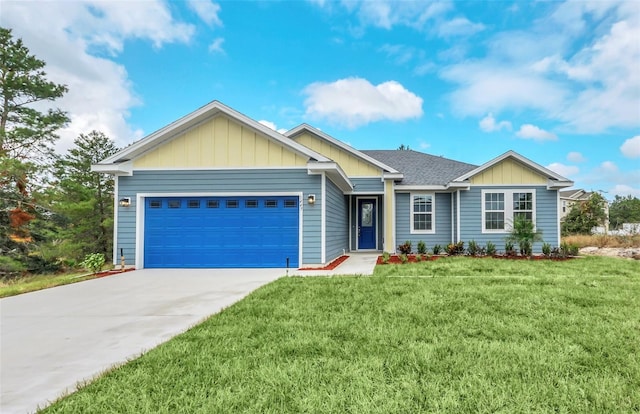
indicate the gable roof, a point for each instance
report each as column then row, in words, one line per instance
column 557, row 181
column 575, row 194
column 420, row 168
column 359, row 154
column 197, row 117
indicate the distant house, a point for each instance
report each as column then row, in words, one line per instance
column 218, row 189
column 569, row 198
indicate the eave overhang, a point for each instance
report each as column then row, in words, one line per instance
column 333, row 171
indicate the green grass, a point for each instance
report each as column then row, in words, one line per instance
column 12, row 287
column 556, row 337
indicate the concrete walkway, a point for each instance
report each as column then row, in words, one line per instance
column 54, row 338
column 357, row 264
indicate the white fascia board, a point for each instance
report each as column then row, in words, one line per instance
column 396, row 176
column 306, row 127
column 335, row 173
column 197, row 117
column 512, row 154
column 555, row 185
column 123, row 168
column 450, row 186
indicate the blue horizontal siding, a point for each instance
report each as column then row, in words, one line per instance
column 471, row 216
column 337, row 218
column 442, row 233
column 367, row 185
column 222, row 181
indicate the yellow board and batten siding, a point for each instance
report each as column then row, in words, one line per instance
column 220, row 143
column 508, row 171
column 350, row 164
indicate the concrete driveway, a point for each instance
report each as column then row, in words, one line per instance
column 54, row 338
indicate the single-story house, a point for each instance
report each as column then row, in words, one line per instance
column 218, row 189
column 569, row 198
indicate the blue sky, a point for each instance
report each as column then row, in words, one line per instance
column 558, row 82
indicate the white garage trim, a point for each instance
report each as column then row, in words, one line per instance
column 140, row 208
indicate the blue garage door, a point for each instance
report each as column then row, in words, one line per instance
column 201, row 232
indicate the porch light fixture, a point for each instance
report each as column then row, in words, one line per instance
column 124, row 202
column 311, row 199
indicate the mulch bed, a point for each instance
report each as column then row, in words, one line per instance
column 395, row 259
column 330, row 266
column 114, row 272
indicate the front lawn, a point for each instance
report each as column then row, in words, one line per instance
column 556, row 337
column 26, row 284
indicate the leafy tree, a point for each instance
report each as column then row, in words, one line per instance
column 26, row 137
column 85, row 198
column 403, row 147
column 624, row 210
column 585, row 215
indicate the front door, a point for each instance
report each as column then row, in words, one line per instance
column 367, row 223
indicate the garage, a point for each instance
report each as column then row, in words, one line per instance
column 221, row 232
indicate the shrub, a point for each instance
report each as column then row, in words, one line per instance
column 437, row 249
column 491, row 248
column 509, row 249
column 473, row 248
column 405, row 248
column 567, row 249
column 422, row 247
column 524, row 234
column 10, row 267
column 93, row 262
column 455, row 249
column 404, row 258
column 546, row 249
column 418, row 257
column 385, row 257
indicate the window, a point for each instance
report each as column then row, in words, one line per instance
column 290, row 203
column 232, row 203
column 174, row 203
column 500, row 207
column 271, row 203
column 213, row 204
column 193, row 204
column 422, row 213
column 155, row 204
column 251, row 203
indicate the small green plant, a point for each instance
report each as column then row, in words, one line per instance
column 404, row 258
column 455, row 249
column 418, row 257
column 524, row 234
column 93, row 262
column 473, row 248
column 422, row 247
column 546, row 249
column 385, row 257
column 491, row 249
column 567, row 249
column 437, row 249
column 509, row 249
column 405, row 248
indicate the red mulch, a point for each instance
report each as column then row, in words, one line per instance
column 395, row 259
column 114, row 272
column 330, row 266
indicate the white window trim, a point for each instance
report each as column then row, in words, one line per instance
column 508, row 208
column 433, row 213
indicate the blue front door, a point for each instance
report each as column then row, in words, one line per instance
column 367, row 223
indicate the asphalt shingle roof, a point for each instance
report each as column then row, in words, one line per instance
column 420, row 168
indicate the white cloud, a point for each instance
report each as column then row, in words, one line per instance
column 528, row 131
column 423, row 145
column 216, row 46
column 590, row 89
column 272, row 125
column 386, row 14
column 460, row 26
column 100, row 93
column 564, row 170
column 489, row 124
column 608, row 167
column 355, row 101
column 207, row 11
column 631, row 147
column 400, row 54
column 575, row 157
column 624, row 190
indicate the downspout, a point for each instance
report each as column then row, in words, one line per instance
column 323, row 219
column 452, row 219
column 458, row 216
